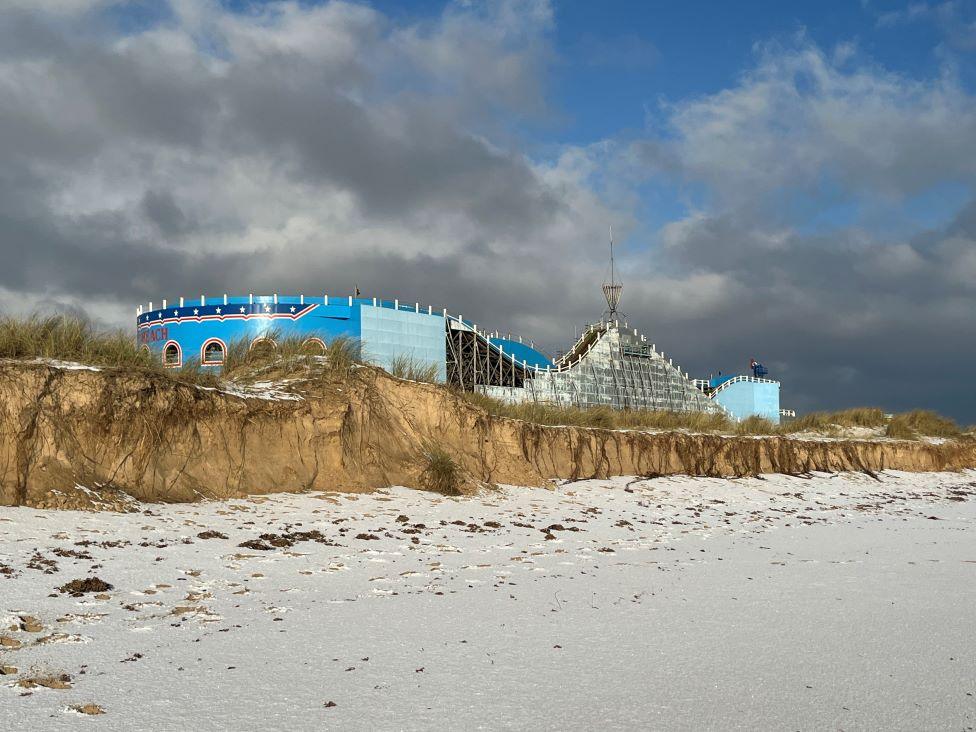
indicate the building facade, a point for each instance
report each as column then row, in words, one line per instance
column 611, row 365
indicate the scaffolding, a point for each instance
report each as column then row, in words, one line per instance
column 473, row 361
column 608, row 366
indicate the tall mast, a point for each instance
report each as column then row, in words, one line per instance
column 611, row 290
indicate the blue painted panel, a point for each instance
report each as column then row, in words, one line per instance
column 192, row 326
column 522, row 352
column 386, row 330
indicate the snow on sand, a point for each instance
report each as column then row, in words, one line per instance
column 805, row 603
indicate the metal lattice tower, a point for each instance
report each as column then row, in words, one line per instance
column 612, row 289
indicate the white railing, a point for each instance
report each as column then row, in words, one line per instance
column 564, row 363
column 739, row 380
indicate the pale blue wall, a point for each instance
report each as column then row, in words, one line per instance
column 387, row 333
column 747, row 398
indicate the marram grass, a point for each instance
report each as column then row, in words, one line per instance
column 74, row 339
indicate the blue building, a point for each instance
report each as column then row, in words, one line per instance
column 744, row 396
column 612, row 364
column 201, row 329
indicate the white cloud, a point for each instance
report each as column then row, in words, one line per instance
column 800, row 117
column 62, row 7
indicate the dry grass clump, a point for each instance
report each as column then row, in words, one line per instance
column 921, row 422
column 191, row 371
column 547, row 414
column 601, row 417
column 909, row 426
column 406, row 367
column 342, row 355
column 693, row 421
column 440, row 472
column 74, row 338
column 860, row 417
column 827, row 422
column 274, row 355
column 68, row 338
column 756, row 425
column 898, row 429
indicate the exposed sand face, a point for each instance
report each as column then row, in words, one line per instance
column 79, row 438
column 778, row 602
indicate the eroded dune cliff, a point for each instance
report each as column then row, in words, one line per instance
column 70, row 436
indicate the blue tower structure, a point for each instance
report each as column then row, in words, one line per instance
column 743, row 396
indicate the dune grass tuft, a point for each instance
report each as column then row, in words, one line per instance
column 74, row 339
column 828, row 421
column 911, row 425
column 756, row 425
column 274, row 355
column 405, row 367
column 921, row 422
column 440, row 473
column 602, row 417
column 68, row 338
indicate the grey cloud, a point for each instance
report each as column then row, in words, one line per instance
column 161, row 208
column 112, row 115
column 221, row 152
column 817, row 308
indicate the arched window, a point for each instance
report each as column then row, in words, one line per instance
column 315, row 346
column 172, row 355
column 212, row 353
column 262, row 346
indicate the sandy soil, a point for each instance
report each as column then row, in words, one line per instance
column 835, row 602
column 79, row 438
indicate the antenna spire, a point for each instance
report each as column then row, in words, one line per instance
column 611, row 290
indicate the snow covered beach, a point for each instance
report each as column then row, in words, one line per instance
column 773, row 602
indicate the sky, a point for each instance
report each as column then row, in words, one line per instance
column 792, row 182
